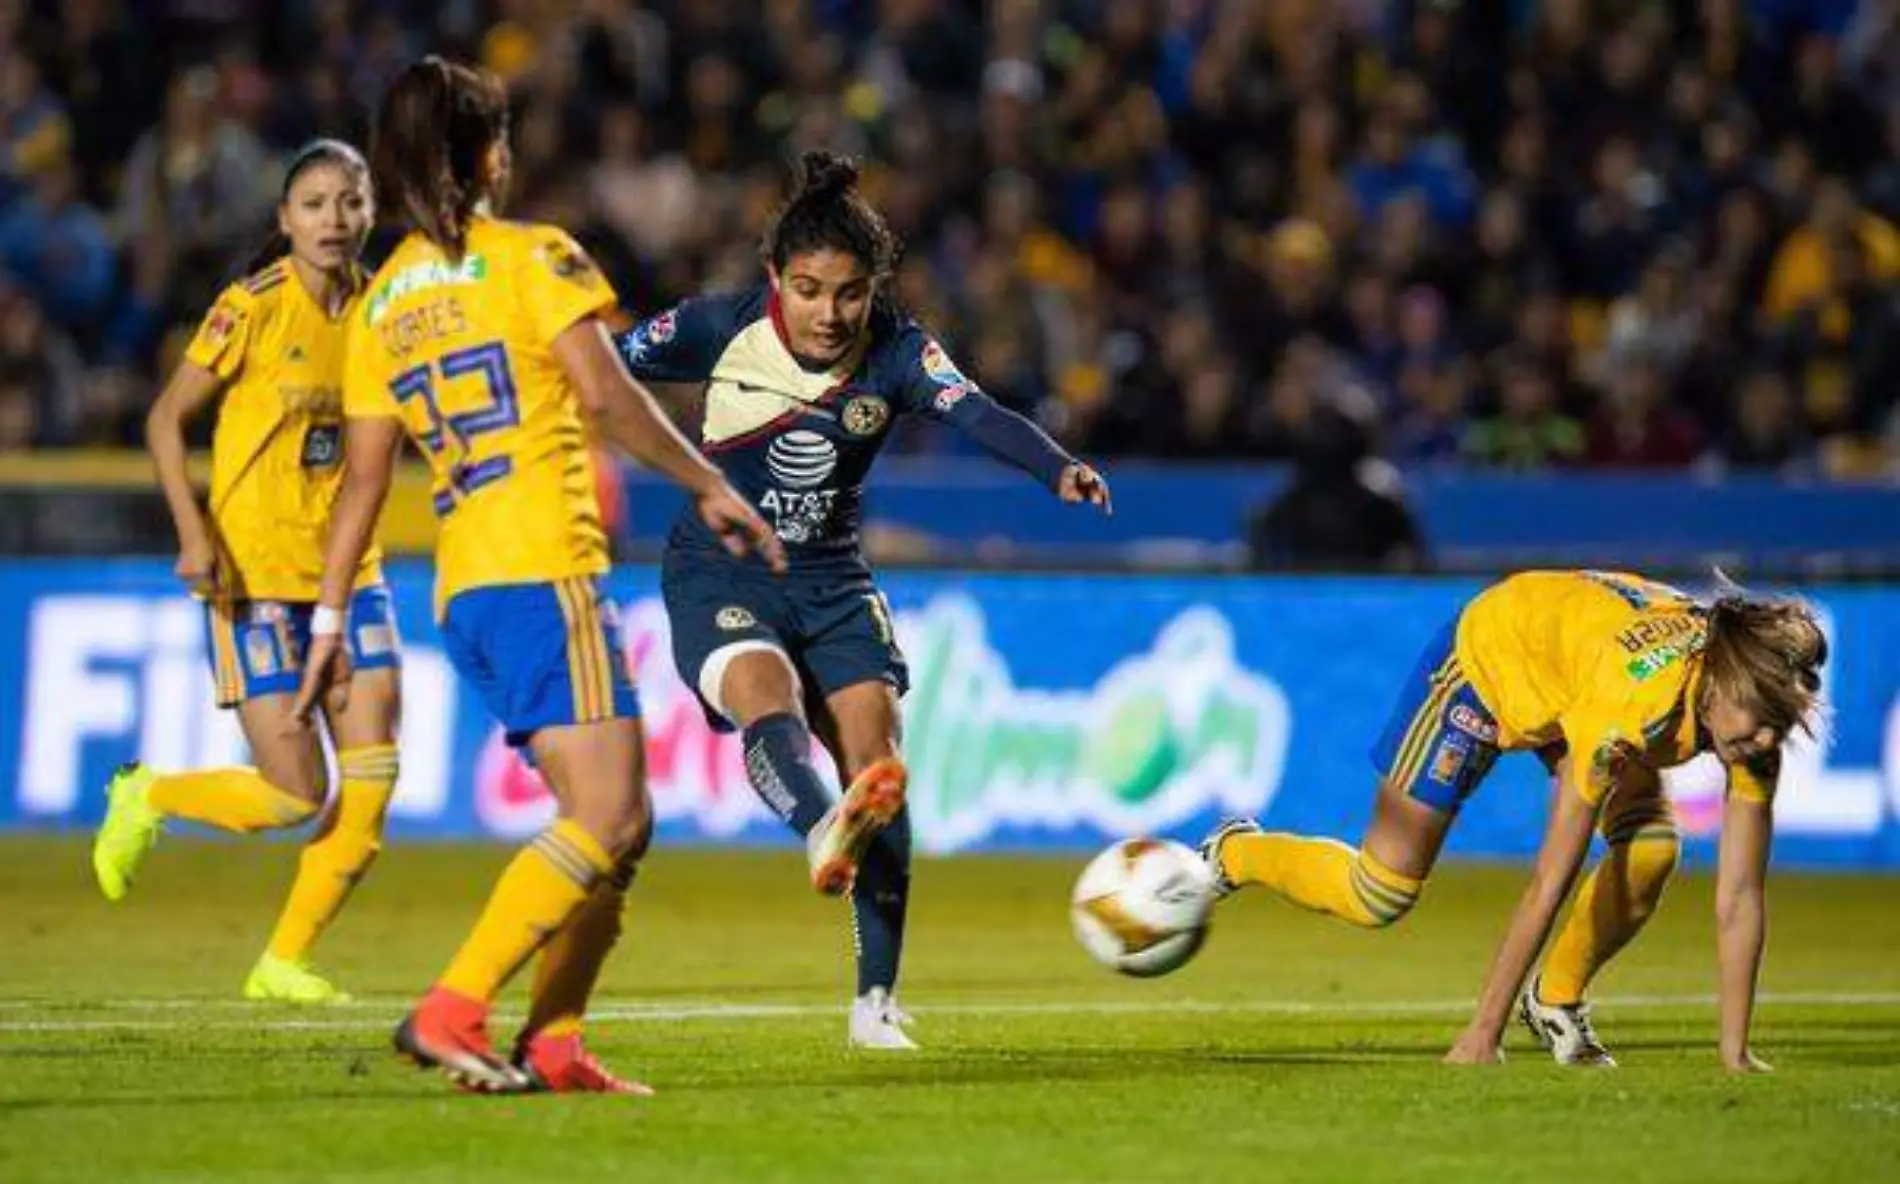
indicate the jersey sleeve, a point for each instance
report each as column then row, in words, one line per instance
column 559, row 286
column 929, row 384
column 683, row 343
column 366, row 393
column 1756, row 780
column 224, row 337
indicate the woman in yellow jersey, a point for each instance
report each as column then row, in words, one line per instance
column 272, row 349
column 486, row 341
column 1609, row 678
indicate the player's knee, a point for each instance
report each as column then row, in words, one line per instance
column 1381, row 897
column 623, row 826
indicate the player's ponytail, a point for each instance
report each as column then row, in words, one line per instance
column 434, row 129
column 827, row 212
column 276, row 243
column 1766, row 654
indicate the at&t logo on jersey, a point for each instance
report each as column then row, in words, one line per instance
column 801, row 459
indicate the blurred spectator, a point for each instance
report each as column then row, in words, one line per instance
column 1800, row 272
column 1530, row 430
column 35, row 133
column 201, row 182
column 1765, row 433
column 1340, row 509
column 56, row 248
column 1635, row 427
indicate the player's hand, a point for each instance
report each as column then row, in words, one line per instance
column 1475, row 1049
column 1079, row 483
column 326, row 672
column 1745, row 1061
column 197, row 565
column 739, row 526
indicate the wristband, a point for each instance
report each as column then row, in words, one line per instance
column 326, row 621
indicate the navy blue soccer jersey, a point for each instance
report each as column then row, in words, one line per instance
column 799, row 442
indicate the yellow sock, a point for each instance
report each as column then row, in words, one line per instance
column 571, row 963
column 1616, row 899
column 1324, row 875
column 532, row 900
column 336, row 859
column 230, row 799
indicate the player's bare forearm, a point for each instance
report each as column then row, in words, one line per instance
column 1741, row 907
column 183, row 397
column 637, row 425
column 1557, row 863
column 369, row 462
column 625, row 413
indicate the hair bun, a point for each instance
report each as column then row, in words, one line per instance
column 825, row 173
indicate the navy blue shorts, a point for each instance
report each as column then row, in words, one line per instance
column 1440, row 740
column 835, row 627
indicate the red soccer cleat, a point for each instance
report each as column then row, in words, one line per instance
column 449, row 1032
column 562, row 1065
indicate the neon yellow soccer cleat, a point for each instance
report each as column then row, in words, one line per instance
column 128, row 832
column 279, row 980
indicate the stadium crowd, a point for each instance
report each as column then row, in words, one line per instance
column 1517, row 233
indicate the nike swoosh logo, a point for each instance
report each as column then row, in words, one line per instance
column 746, row 388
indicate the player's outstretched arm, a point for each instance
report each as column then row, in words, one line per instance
column 626, row 414
column 1741, row 921
column 370, row 445
column 1017, row 441
column 1565, row 842
column 191, row 388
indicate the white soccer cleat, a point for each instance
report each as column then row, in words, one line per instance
column 837, row 844
column 878, row 1023
column 1210, row 852
column 1564, row 1029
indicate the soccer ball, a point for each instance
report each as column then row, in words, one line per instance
column 1141, row 907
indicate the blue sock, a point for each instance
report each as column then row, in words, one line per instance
column 778, row 763
column 878, row 903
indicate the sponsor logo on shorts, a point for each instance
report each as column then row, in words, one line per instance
column 1449, row 760
column 268, row 612
column 260, row 655
column 866, row 415
column 373, row 641
column 732, row 618
column 1472, row 723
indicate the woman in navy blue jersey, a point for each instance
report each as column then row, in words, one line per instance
column 804, row 376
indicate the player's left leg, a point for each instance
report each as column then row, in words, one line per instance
column 1438, row 746
column 861, row 726
column 346, row 843
column 1611, row 907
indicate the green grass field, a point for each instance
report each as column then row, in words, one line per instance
column 1293, row 1048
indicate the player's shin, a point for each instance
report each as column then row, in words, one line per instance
column 1614, row 902
column 571, row 962
column 236, row 799
column 1323, row 875
column 879, row 900
column 534, row 898
column 336, row 859
column 778, row 764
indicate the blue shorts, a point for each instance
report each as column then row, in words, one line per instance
column 1440, row 740
column 835, row 627
column 542, row 655
column 257, row 646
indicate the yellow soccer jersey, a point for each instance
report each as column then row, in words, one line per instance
column 462, row 354
column 276, row 451
column 1605, row 661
